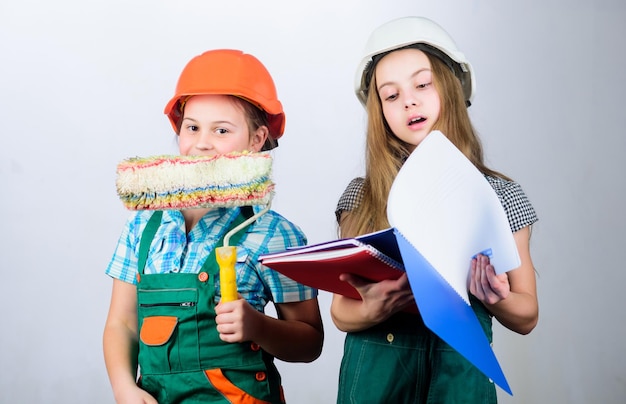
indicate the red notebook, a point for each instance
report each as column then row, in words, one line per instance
column 320, row 265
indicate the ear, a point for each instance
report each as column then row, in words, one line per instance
column 258, row 138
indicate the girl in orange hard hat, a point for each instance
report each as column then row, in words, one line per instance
column 168, row 338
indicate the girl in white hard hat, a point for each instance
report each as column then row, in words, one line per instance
column 167, row 320
column 414, row 80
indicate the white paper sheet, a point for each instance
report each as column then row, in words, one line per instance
column 448, row 211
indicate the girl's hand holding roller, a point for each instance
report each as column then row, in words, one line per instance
column 237, row 321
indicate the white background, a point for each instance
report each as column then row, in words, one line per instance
column 83, row 85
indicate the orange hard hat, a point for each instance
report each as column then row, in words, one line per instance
column 229, row 72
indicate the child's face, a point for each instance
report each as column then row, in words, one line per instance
column 215, row 124
column 408, row 96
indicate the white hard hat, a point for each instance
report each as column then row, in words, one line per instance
column 407, row 31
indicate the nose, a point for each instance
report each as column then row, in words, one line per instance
column 410, row 100
column 204, row 141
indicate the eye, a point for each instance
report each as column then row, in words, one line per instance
column 221, row 131
column 391, row 97
column 424, row 85
column 191, row 128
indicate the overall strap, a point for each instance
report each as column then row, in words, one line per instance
column 146, row 239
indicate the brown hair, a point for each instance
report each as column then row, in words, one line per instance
column 256, row 117
column 385, row 153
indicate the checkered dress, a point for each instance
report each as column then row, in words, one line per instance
column 516, row 205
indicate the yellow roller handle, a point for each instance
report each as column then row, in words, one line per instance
column 226, row 257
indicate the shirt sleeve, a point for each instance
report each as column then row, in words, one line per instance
column 351, row 197
column 123, row 256
column 518, row 208
column 123, row 264
column 272, row 233
column 284, row 289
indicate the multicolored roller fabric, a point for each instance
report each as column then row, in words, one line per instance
column 186, row 182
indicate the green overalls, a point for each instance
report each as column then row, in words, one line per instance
column 401, row 361
column 181, row 357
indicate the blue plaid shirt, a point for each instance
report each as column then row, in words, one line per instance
column 173, row 250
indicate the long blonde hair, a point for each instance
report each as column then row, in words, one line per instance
column 385, row 153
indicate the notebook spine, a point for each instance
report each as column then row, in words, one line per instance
column 383, row 257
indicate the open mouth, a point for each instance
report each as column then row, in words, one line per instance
column 416, row 120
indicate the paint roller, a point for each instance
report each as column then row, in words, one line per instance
column 189, row 182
